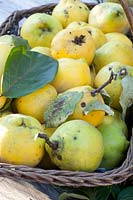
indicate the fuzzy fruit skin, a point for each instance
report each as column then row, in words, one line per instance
column 68, row 11
column 115, row 146
column 97, row 35
column 17, row 143
column 43, row 50
column 71, row 73
column 118, row 37
column 115, row 88
column 113, row 52
column 94, row 117
column 39, row 29
column 36, row 103
column 80, row 146
column 76, row 44
column 109, row 17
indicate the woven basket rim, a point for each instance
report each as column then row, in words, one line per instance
column 63, row 177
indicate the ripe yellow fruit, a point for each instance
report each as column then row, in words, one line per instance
column 94, row 117
column 93, row 75
column 80, row 146
column 113, row 52
column 36, row 103
column 43, row 50
column 118, row 37
column 17, row 143
column 2, row 101
column 109, row 17
column 71, row 73
column 68, row 11
column 39, row 29
column 97, row 35
column 76, row 44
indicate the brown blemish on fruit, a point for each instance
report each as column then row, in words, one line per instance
column 79, row 40
column 23, row 124
column 83, row 104
column 118, row 13
column 59, row 157
column 90, row 32
column 65, row 12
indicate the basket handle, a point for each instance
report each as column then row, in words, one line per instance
column 128, row 13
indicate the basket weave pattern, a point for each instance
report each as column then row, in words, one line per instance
column 62, row 177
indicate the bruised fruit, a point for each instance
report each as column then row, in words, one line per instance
column 97, row 35
column 76, row 44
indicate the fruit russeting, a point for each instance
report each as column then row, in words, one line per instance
column 66, row 88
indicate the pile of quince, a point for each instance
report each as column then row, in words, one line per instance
column 79, row 113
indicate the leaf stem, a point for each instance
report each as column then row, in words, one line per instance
column 113, row 76
column 52, row 145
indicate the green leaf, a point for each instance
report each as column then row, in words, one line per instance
column 115, row 189
column 14, row 41
column 102, row 193
column 126, row 194
column 67, row 196
column 62, row 107
column 26, row 71
column 89, row 192
column 126, row 98
column 18, row 41
column 106, row 97
column 97, row 105
column 97, row 193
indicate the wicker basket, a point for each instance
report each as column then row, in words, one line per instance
column 62, row 177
